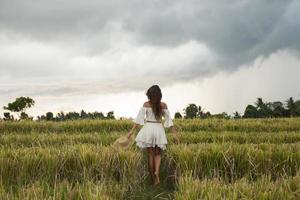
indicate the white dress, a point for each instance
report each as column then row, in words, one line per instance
column 152, row 134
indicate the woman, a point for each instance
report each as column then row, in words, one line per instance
column 152, row 136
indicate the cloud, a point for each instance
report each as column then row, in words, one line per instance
column 163, row 66
column 236, row 31
column 70, row 47
column 125, row 68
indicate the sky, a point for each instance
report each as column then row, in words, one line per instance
column 103, row 55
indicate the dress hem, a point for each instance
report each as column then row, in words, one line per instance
column 144, row 145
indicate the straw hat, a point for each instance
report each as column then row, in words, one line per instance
column 123, row 142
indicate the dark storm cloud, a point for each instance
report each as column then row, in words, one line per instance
column 237, row 31
column 55, row 19
column 231, row 27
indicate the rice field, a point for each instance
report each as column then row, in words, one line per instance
column 216, row 159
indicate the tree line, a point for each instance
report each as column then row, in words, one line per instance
column 192, row 111
column 260, row 109
column 20, row 105
column 263, row 109
column 61, row 116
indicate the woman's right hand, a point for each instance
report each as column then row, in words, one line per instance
column 129, row 134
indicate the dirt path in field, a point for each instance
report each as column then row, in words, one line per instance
column 153, row 192
column 164, row 191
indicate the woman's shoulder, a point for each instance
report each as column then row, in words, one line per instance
column 162, row 104
column 147, row 104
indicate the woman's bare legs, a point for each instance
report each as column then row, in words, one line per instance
column 150, row 151
column 157, row 161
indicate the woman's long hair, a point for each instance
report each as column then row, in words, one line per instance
column 154, row 95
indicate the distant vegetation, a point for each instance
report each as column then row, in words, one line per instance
column 18, row 106
column 61, row 116
column 22, row 103
column 260, row 109
column 273, row 109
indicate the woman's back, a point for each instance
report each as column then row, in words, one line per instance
column 147, row 111
column 150, row 115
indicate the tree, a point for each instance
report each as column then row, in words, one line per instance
column 259, row 103
column 110, row 115
column 23, row 115
column 222, row 115
column 250, row 112
column 263, row 109
column 237, row 115
column 297, row 108
column 83, row 114
column 291, row 106
column 207, row 114
column 41, row 118
column 178, row 115
column 49, row 116
column 72, row 116
column 20, row 105
column 60, row 116
column 278, row 109
column 8, row 116
column 202, row 113
column 96, row 115
column 191, row 111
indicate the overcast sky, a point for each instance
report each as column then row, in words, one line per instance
column 102, row 55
